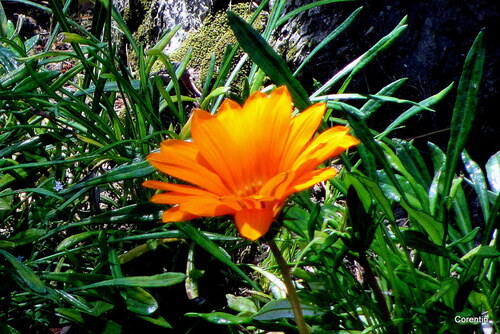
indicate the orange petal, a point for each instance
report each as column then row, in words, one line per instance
column 254, row 223
column 206, row 207
column 216, row 147
column 275, row 125
column 303, row 128
column 309, row 179
column 278, row 185
column 173, row 198
column 180, row 188
column 258, row 132
column 328, row 144
column 175, row 215
column 180, row 159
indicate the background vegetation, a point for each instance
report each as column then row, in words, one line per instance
column 399, row 242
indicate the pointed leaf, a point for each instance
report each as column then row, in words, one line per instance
column 493, row 172
column 465, row 109
column 267, row 59
column 25, row 274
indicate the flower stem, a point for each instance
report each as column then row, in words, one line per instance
column 292, row 294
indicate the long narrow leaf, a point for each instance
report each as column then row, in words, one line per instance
column 465, row 109
column 267, row 59
column 204, row 242
column 423, row 105
column 359, row 63
column 328, row 38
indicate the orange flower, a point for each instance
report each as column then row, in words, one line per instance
column 246, row 160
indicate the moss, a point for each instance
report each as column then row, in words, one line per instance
column 138, row 11
column 212, row 38
column 146, row 30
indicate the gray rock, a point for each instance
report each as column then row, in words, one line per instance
column 150, row 19
column 431, row 53
column 187, row 14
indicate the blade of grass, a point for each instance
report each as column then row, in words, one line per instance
column 308, row 6
column 422, row 105
column 267, row 59
column 465, row 109
column 478, row 181
column 203, row 241
column 355, row 66
column 337, row 31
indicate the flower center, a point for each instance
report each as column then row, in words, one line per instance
column 250, row 188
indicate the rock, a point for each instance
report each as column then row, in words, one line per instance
column 188, row 14
column 431, row 53
column 150, row 19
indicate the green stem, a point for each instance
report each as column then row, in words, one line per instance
column 292, row 294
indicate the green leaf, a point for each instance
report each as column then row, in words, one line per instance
column 425, row 281
column 110, row 86
column 364, row 133
column 70, row 314
column 7, row 244
column 77, row 303
column 493, row 172
column 359, row 63
column 203, row 241
column 482, row 252
column 374, row 104
column 100, row 307
column 413, row 162
column 73, row 279
column 221, row 318
column 25, row 274
column 75, row 38
column 142, row 212
column 422, row 105
column 429, row 223
column 281, row 308
column 74, row 239
column 111, row 326
column 420, row 242
column 3, row 22
column 158, row 321
column 139, row 301
column 154, row 281
column 27, row 236
column 327, row 39
column 362, row 221
column 464, row 110
column 241, row 304
column 29, row 191
column 123, row 172
column 31, row 83
column 267, row 59
column 14, row 76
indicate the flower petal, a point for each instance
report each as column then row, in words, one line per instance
column 258, row 131
column 328, row 144
column 208, row 133
column 175, row 215
column 180, row 188
column 303, row 127
column 309, row 179
column 278, row 185
column 180, row 159
column 206, row 207
column 254, row 223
